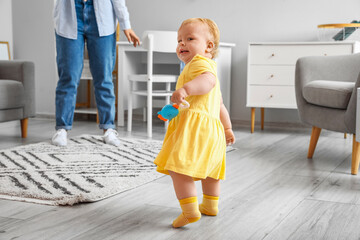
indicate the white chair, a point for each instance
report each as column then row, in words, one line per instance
column 153, row 41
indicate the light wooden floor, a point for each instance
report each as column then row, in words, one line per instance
column 272, row 191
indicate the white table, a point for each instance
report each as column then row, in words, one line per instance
column 133, row 61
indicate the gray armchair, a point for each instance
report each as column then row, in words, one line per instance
column 326, row 97
column 17, row 92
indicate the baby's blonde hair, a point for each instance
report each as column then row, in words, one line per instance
column 213, row 29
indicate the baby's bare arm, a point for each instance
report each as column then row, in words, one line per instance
column 200, row 85
column 226, row 122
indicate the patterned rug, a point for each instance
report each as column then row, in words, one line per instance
column 87, row 170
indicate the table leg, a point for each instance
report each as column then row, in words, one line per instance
column 252, row 119
column 120, row 79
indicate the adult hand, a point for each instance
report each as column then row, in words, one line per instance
column 131, row 36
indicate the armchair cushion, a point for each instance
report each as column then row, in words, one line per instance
column 11, row 94
column 333, row 94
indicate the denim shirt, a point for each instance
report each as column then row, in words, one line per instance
column 106, row 12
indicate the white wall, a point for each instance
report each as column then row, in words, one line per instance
column 243, row 21
column 34, row 40
column 6, row 26
column 239, row 21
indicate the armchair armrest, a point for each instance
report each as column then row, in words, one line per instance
column 24, row 72
column 337, row 68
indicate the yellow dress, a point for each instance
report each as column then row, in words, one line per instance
column 194, row 144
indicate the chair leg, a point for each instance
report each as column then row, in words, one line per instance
column 129, row 119
column 24, row 126
column 355, row 157
column 149, row 110
column 315, row 133
column 149, row 118
column 144, row 114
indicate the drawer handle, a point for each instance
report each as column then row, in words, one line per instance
column 272, row 75
column 273, row 55
column 271, row 96
column 325, row 54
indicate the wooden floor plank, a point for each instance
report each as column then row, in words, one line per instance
column 5, row 222
column 147, row 221
column 21, row 210
column 320, row 220
column 340, row 188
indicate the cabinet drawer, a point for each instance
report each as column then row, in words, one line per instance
column 272, row 75
column 271, row 96
column 288, row 54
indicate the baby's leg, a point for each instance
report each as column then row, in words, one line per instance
column 186, row 193
column 211, row 192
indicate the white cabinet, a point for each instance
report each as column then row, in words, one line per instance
column 271, row 71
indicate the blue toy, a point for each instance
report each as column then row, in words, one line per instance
column 170, row 111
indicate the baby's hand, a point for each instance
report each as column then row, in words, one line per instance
column 179, row 96
column 229, row 136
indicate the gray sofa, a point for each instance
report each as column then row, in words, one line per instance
column 326, row 97
column 17, row 92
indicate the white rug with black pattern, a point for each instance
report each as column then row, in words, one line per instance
column 87, row 170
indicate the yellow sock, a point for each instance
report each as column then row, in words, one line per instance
column 190, row 212
column 209, row 205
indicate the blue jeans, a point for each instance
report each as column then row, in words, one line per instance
column 70, row 55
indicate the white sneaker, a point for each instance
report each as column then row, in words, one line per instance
column 110, row 137
column 60, row 138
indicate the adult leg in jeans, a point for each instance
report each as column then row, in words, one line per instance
column 102, row 60
column 70, row 54
column 70, row 57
